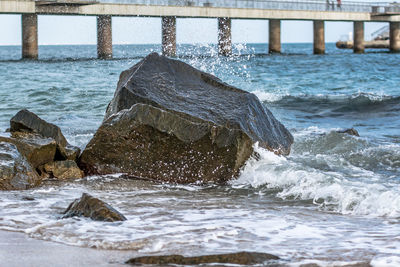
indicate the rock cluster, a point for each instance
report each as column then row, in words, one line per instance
column 171, row 122
column 33, row 151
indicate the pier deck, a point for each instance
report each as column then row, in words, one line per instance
column 258, row 9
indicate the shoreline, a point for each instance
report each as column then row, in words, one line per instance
column 18, row 249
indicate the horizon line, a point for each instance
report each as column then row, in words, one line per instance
column 160, row 44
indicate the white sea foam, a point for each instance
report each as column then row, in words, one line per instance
column 327, row 189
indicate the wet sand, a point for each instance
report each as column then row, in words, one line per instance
column 17, row 249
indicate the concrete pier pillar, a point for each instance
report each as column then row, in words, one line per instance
column 395, row 37
column 29, row 36
column 274, row 42
column 168, row 36
column 104, row 37
column 319, row 37
column 225, row 36
column 358, row 37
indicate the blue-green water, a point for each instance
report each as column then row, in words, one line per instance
column 335, row 199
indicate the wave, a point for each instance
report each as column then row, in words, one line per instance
column 333, row 104
column 341, row 151
column 329, row 181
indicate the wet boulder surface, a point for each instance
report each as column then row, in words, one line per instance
column 124, row 144
column 238, row 258
column 171, row 122
column 94, row 208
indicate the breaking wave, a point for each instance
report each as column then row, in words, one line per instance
column 338, row 173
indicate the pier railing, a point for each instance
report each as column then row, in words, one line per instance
column 307, row 5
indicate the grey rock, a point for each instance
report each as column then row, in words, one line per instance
column 26, row 121
column 36, row 149
column 350, row 131
column 94, row 208
column 15, row 172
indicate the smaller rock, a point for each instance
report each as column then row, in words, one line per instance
column 93, row 208
column 15, row 172
column 350, row 131
column 28, row 198
column 36, row 149
column 26, row 121
column 66, row 169
column 242, row 258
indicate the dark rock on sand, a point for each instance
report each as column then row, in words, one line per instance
column 242, row 258
column 171, row 122
column 350, row 131
column 26, row 121
column 93, row 208
column 66, row 169
column 15, row 171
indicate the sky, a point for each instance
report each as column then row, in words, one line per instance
column 53, row 30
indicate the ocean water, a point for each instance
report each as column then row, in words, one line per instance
column 334, row 200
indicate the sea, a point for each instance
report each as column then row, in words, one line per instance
column 335, row 200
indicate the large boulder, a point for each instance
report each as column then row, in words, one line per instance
column 15, row 171
column 94, row 208
column 171, row 122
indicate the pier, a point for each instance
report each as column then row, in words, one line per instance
column 273, row 10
